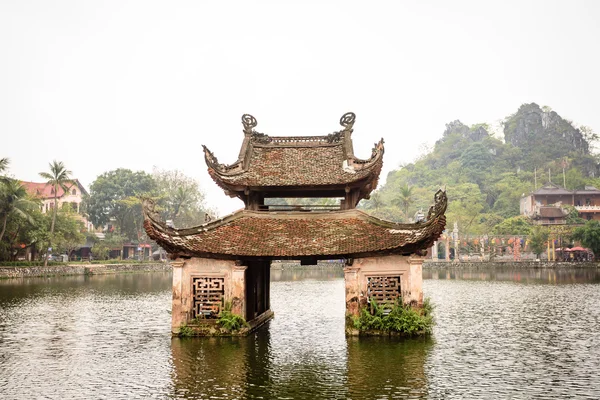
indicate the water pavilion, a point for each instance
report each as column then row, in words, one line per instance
column 227, row 261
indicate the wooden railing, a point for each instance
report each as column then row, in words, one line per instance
column 545, row 222
column 587, row 208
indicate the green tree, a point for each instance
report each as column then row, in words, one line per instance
column 181, row 199
column 13, row 200
column 376, row 201
column 4, row 164
column 3, row 167
column 101, row 248
column 538, row 239
column 573, row 217
column 589, row 236
column 405, row 198
column 67, row 234
column 109, row 195
column 476, row 160
column 58, row 177
column 519, row 225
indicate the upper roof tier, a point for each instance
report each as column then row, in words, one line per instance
column 293, row 235
column 279, row 164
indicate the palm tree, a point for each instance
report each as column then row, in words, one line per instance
column 3, row 164
column 376, row 201
column 58, row 177
column 13, row 200
column 183, row 199
column 405, row 198
column 3, row 167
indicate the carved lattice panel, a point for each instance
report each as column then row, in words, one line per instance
column 209, row 293
column 385, row 290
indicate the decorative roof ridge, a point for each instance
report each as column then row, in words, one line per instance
column 333, row 139
column 347, row 121
column 213, row 163
column 376, row 153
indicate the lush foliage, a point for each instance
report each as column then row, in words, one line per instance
column 101, row 248
column 401, row 318
column 180, row 198
column 589, row 236
column 538, row 240
column 231, row 322
column 519, row 225
column 186, row 331
column 486, row 177
column 23, row 224
column 114, row 201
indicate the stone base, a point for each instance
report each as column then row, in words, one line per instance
column 383, row 279
column 203, row 288
column 209, row 327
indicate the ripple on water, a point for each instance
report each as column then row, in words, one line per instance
column 109, row 337
column 504, row 339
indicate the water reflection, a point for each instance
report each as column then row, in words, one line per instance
column 248, row 368
column 387, row 367
column 523, row 275
column 209, row 367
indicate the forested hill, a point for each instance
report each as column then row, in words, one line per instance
column 485, row 176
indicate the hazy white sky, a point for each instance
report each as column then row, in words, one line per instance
column 108, row 84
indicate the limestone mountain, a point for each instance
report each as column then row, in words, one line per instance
column 543, row 135
column 485, row 176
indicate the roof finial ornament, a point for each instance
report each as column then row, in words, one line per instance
column 347, row 120
column 249, row 123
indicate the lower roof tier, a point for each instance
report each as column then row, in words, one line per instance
column 260, row 234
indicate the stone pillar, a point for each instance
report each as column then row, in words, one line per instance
column 215, row 275
column 434, row 251
column 395, row 269
column 352, row 290
column 416, row 281
column 238, row 290
column 178, row 314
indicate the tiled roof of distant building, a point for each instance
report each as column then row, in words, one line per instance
column 43, row 190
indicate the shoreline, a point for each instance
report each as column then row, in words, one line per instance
column 507, row 264
column 80, row 269
column 12, row 272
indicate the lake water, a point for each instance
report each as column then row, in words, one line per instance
column 500, row 334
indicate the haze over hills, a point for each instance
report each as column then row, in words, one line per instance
column 485, row 176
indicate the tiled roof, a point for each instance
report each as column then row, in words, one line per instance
column 43, row 190
column 279, row 161
column 297, row 234
column 552, row 189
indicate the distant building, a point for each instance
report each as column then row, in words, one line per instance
column 546, row 205
column 72, row 197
